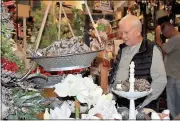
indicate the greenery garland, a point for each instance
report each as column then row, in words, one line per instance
column 6, row 47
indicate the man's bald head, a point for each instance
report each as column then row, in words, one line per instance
column 130, row 28
column 131, row 20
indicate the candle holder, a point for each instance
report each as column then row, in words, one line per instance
column 132, row 95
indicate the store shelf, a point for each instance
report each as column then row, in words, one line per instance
column 104, row 13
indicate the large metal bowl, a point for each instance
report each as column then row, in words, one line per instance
column 49, row 83
column 66, row 62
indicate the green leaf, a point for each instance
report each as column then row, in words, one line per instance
column 101, row 27
column 12, row 117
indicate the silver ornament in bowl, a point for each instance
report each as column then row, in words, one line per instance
column 142, row 85
column 121, row 86
column 124, row 112
column 141, row 116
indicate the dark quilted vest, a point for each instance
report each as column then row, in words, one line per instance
column 142, row 60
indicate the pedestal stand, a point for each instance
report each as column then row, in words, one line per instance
column 132, row 95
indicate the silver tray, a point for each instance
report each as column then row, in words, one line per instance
column 51, row 81
column 66, row 62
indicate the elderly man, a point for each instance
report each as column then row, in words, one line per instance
column 146, row 55
column 172, row 64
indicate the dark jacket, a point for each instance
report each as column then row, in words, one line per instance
column 142, row 60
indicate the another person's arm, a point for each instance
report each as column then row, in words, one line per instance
column 158, row 75
column 172, row 43
column 157, row 36
column 158, row 40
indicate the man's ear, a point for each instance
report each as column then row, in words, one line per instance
column 138, row 32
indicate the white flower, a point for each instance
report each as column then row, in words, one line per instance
column 104, row 99
column 70, row 86
column 91, row 94
column 63, row 112
column 83, row 88
column 71, row 103
column 106, row 107
column 61, row 89
column 88, row 83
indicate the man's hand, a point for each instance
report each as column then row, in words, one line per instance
column 157, row 36
column 139, row 108
column 158, row 30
